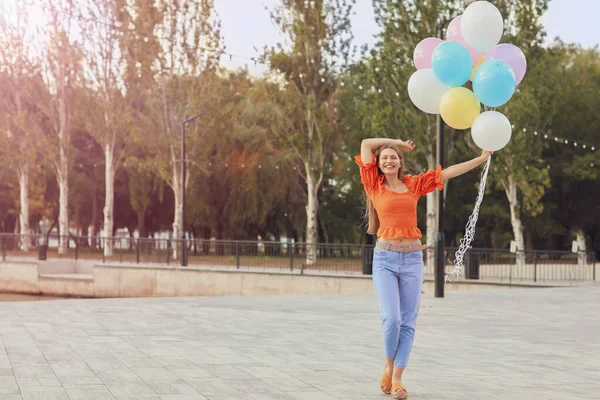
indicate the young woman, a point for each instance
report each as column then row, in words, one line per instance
column 398, row 267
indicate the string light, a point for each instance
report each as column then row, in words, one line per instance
column 536, row 133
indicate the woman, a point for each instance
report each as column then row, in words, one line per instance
column 398, row 261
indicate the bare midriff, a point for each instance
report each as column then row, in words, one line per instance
column 400, row 241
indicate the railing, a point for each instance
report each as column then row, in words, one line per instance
column 484, row 264
column 528, row 266
column 217, row 253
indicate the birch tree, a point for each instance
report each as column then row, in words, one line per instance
column 316, row 50
column 61, row 72
column 19, row 67
column 518, row 169
column 105, row 114
column 189, row 48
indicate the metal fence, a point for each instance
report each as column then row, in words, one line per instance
column 529, row 265
column 484, row 264
column 221, row 253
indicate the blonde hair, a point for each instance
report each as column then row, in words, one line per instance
column 370, row 213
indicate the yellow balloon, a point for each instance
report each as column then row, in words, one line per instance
column 459, row 107
column 477, row 65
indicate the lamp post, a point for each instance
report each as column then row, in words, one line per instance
column 440, row 253
column 183, row 176
column 439, row 249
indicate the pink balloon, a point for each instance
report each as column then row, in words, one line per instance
column 511, row 55
column 423, row 52
column 453, row 33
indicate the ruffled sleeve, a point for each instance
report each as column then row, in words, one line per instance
column 426, row 182
column 369, row 175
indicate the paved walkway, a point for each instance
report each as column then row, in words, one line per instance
column 490, row 344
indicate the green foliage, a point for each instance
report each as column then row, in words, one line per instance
column 259, row 140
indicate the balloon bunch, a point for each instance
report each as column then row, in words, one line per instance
column 470, row 53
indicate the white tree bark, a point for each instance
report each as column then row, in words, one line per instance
column 109, row 199
column 581, row 248
column 312, row 207
column 510, row 188
column 177, row 220
column 63, row 200
column 24, row 212
column 62, row 174
column 431, row 220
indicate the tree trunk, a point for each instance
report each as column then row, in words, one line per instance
column 581, row 248
column 109, row 199
column 63, row 162
column 85, row 230
column 141, row 223
column 510, row 188
column 63, row 203
column 431, row 220
column 177, row 220
column 312, row 207
column 206, row 241
column 219, row 246
column 219, row 227
column 24, row 214
column 94, row 224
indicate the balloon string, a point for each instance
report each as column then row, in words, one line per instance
column 465, row 242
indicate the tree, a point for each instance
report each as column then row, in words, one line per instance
column 106, row 117
column 61, row 71
column 140, row 50
column 19, row 69
column 518, row 170
column 574, row 164
column 186, row 64
column 306, row 112
column 86, row 178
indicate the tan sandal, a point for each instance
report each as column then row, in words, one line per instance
column 399, row 391
column 385, row 382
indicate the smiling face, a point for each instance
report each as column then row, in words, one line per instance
column 390, row 162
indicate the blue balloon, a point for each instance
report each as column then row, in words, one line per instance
column 452, row 63
column 494, row 83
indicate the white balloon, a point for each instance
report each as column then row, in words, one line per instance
column 491, row 131
column 482, row 26
column 425, row 90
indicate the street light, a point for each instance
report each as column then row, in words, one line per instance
column 183, row 175
column 440, row 253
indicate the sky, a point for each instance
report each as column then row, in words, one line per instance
column 247, row 27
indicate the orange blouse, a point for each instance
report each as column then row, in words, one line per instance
column 397, row 211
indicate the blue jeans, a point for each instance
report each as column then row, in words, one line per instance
column 398, row 280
